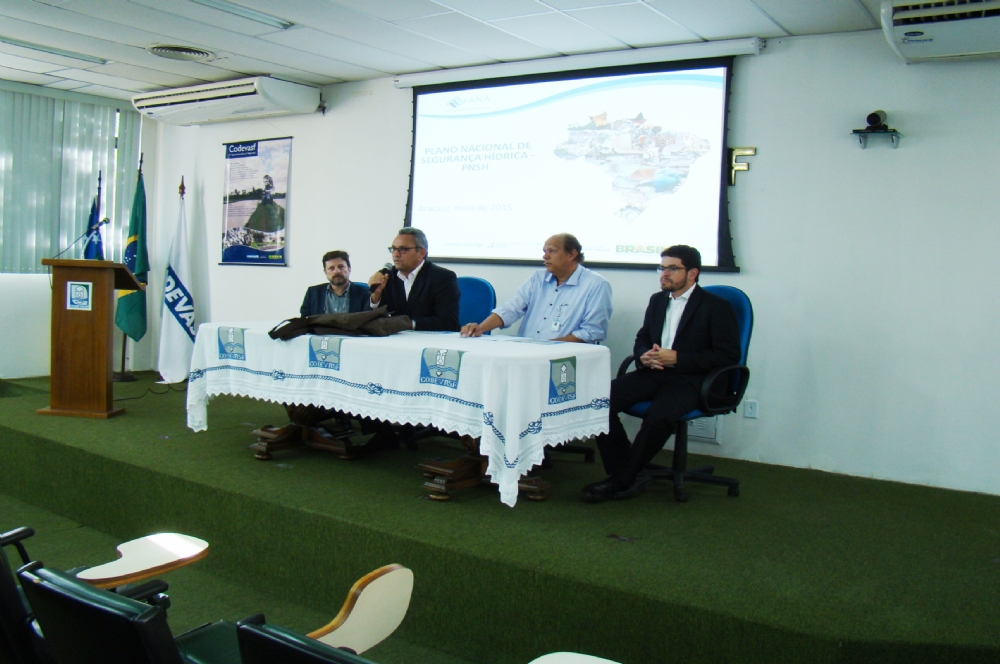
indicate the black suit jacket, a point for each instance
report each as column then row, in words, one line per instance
column 315, row 299
column 433, row 302
column 707, row 337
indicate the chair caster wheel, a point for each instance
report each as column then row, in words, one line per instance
column 681, row 497
column 734, row 491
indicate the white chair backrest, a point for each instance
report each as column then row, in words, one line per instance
column 570, row 658
column 375, row 607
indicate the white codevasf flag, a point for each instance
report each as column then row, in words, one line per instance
column 177, row 328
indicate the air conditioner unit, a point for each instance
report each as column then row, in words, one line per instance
column 922, row 31
column 230, row 100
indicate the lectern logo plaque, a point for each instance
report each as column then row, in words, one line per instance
column 78, row 295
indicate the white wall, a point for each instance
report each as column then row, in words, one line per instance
column 26, row 303
column 869, row 270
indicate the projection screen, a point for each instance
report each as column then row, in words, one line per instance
column 629, row 161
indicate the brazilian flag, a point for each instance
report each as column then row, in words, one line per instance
column 131, row 314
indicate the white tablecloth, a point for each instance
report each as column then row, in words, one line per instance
column 516, row 395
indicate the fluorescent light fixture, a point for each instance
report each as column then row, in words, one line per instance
column 53, row 50
column 238, row 10
column 637, row 56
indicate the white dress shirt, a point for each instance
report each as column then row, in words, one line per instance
column 673, row 318
column 408, row 279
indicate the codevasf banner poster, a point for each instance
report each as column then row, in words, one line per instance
column 256, row 201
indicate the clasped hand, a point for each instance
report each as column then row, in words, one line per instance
column 658, row 358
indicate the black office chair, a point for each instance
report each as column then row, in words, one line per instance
column 737, row 375
column 261, row 643
column 86, row 625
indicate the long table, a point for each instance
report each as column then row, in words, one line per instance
column 515, row 395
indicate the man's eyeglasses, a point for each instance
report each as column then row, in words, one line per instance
column 400, row 250
column 670, row 269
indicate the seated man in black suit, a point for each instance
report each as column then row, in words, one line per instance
column 687, row 332
column 340, row 295
column 415, row 287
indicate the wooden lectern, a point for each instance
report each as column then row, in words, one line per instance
column 83, row 310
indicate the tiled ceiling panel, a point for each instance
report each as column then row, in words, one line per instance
column 395, row 10
column 560, row 33
column 477, row 37
column 491, row 11
column 635, row 24
column 344, row 22
column 806, row 17
column 331, row 41
column 338, row 48
column 720, row 19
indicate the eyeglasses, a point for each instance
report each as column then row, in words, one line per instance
column 672, row 269
column 401, row 250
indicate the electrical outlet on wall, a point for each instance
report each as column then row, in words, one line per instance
column 750, row 408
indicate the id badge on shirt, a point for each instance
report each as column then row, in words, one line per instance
column 555, row 325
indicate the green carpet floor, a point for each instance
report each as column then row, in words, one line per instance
column 803, row 566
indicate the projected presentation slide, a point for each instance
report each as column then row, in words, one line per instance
column 629, row 164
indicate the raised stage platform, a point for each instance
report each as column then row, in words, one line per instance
column 803, row 566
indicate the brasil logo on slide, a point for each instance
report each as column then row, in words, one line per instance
column 441, row 366
column 231, row 345
column 562, row 380
column 324, row 352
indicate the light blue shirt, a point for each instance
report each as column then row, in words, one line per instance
column 581, row 306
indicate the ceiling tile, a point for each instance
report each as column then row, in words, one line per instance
column 487, row 10
column 214, row 17
column 77, row 33
column 103, row 91
column 635, row 24
column 813, row 17
column 472, row 35
column 27, row 64
column 560, row 33
column 67, row 85
column 88, row 76
column 349, row 24
column 394, row 10
column 56, row 60
column 582, row 4
column 174, row 28
column 874, row 9
column 150, row 76
column 21, row 76
column 719, row 19
column 345, row 50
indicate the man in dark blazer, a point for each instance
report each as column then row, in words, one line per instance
column 340, row 294
column 415, row 287
column 687, row 332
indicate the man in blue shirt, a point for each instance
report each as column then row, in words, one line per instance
column 563, row 302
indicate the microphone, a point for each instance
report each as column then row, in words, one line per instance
column 385, row 270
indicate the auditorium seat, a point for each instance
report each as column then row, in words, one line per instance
column 86, row 625
column 374, row 608
column 570, row 658
column 737, row 375
column 20, row 641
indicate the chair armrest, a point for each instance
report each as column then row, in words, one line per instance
column 729, row 402
column 624, row 366
column 14, row 537
column 149, row 592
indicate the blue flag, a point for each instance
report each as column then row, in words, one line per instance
column 94, row 248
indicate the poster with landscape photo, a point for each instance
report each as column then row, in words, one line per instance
column 255, row 204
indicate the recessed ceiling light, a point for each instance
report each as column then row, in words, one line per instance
column 53, row 50
column 239, row 10
column 188, row 53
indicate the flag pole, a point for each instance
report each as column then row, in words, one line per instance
column 122, row 376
